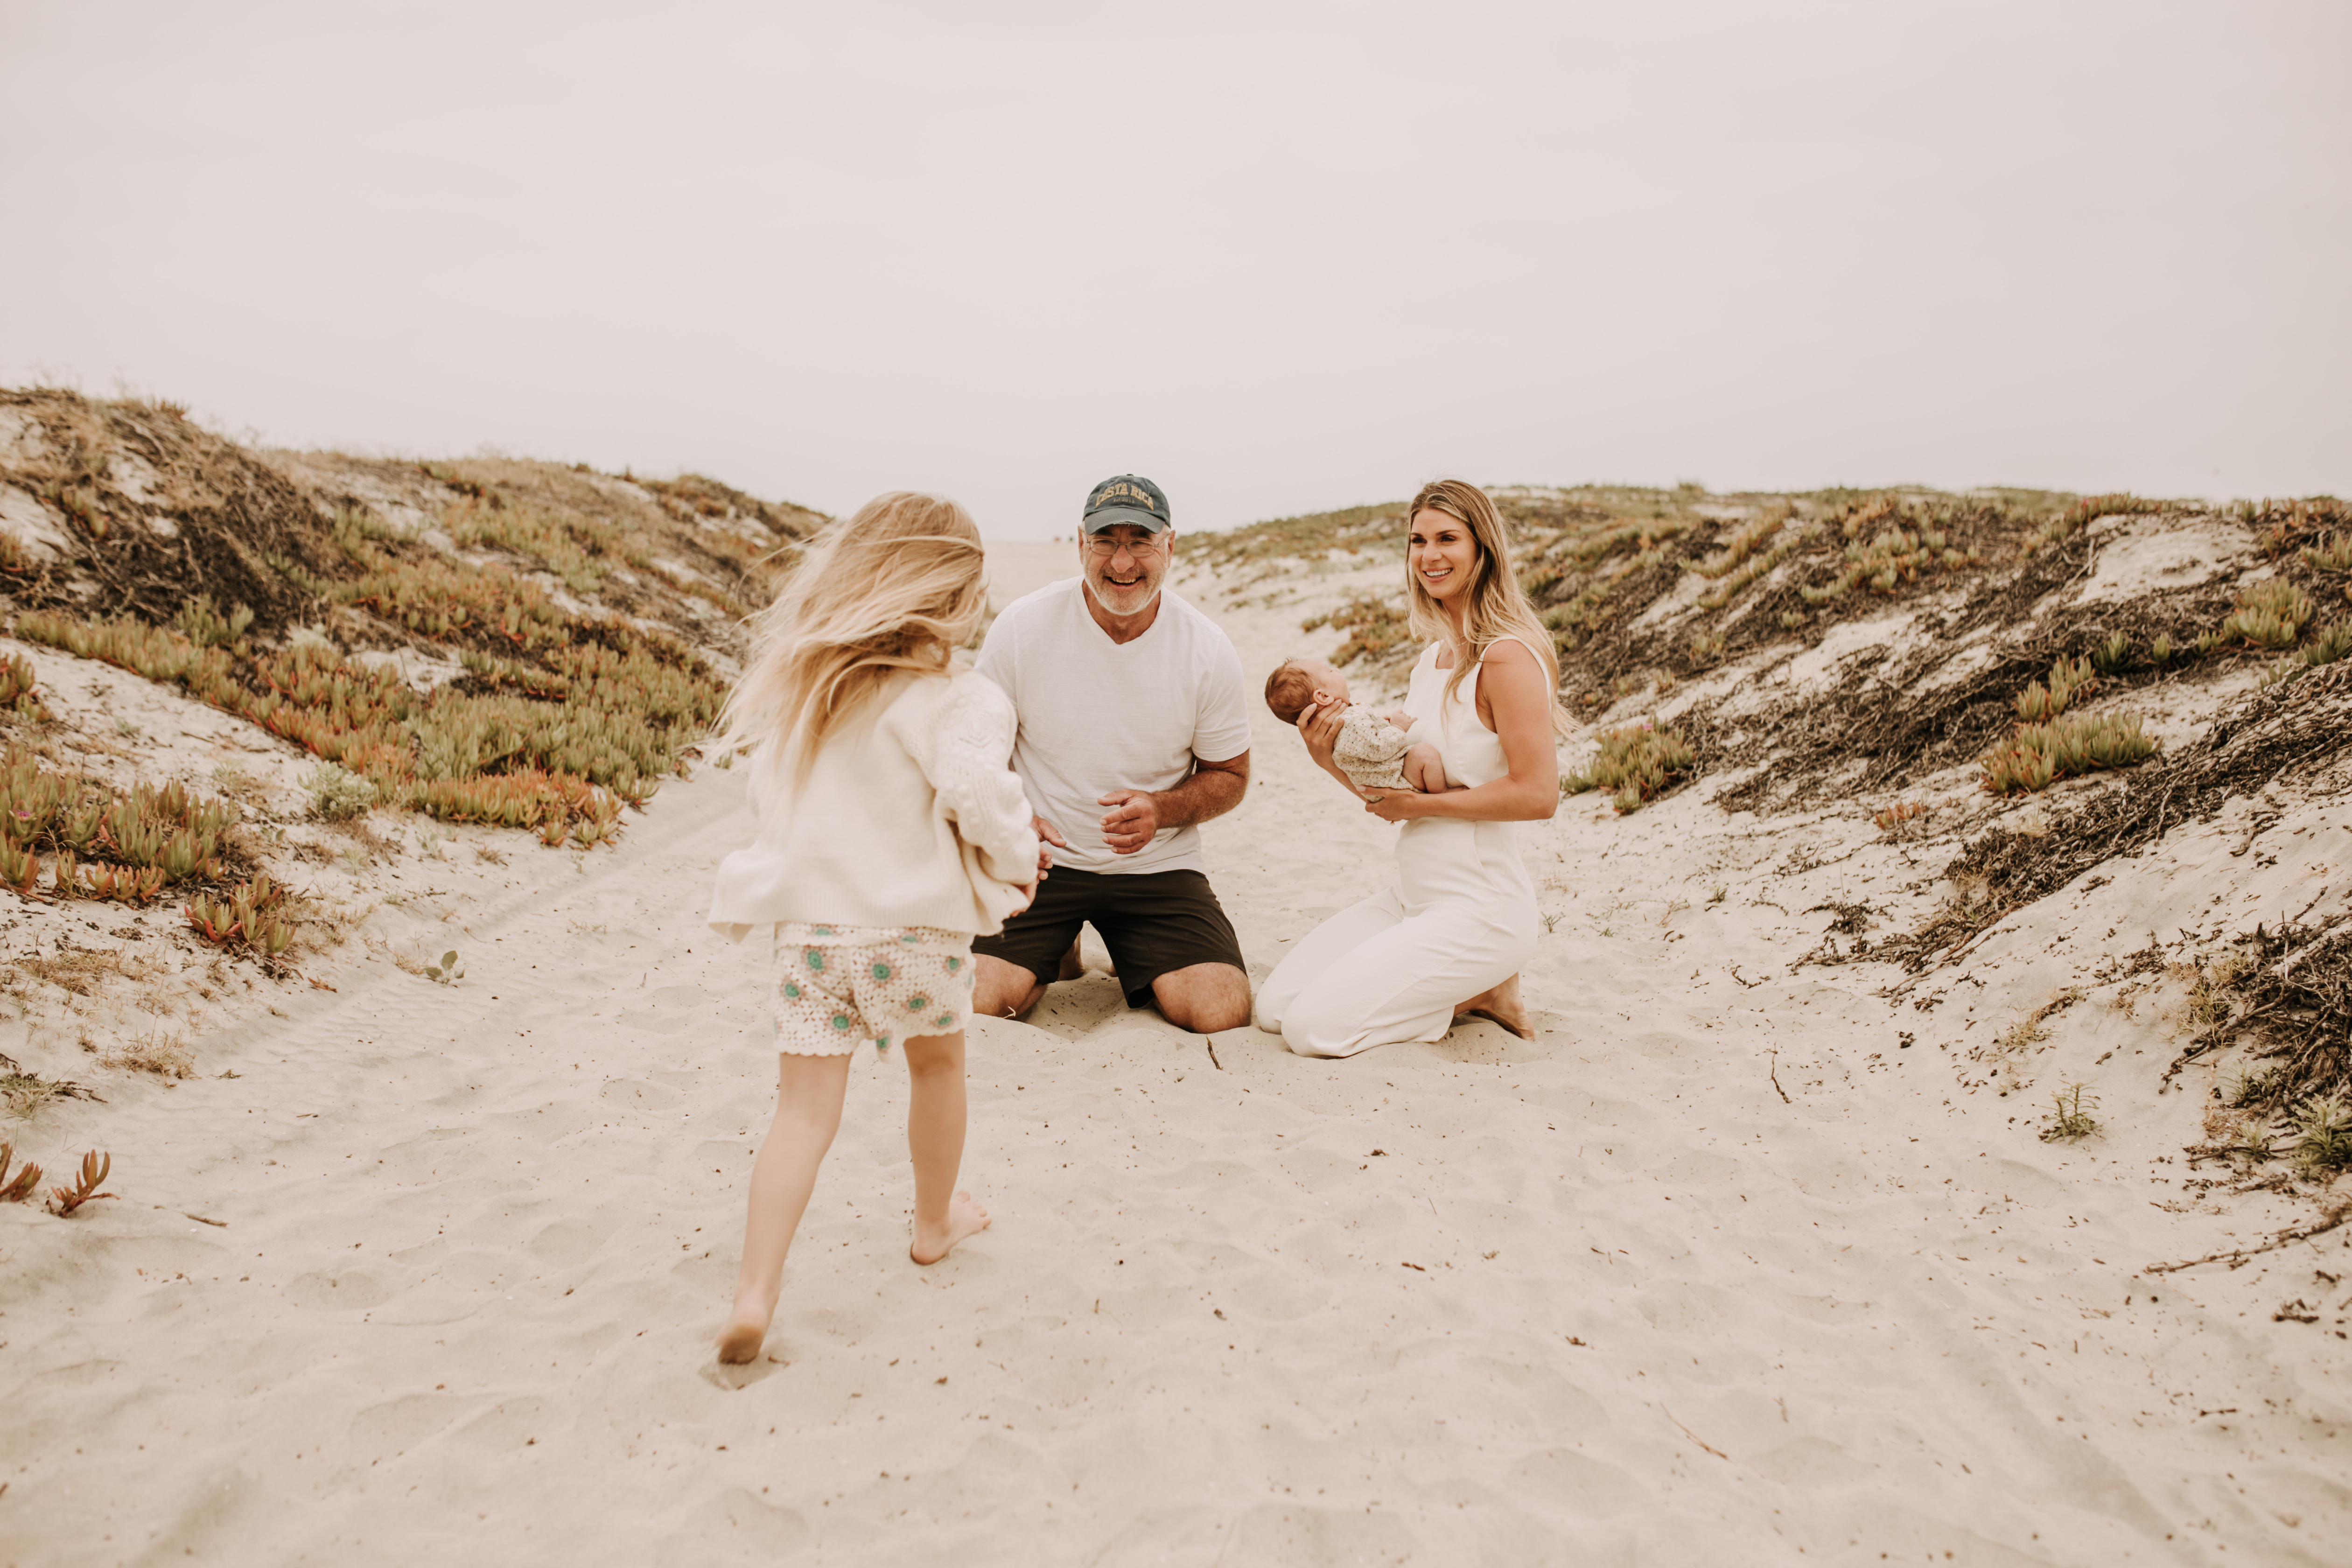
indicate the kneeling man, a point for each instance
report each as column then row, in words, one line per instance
column 1134, row 726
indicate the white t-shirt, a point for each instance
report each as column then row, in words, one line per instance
column 1097, row 716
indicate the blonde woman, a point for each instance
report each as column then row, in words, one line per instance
column 1450, row 936
column 890, row 831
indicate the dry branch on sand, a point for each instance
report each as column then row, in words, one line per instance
column 2283, row 993
column 26, row 1093
column 2283, row 732
column 164, row 1055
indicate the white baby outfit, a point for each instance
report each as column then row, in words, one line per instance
column 910, row 837
column 1369, row 750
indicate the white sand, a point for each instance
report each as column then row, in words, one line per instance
column 1601, row 1297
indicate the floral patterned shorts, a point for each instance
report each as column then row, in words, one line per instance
column 838, row 987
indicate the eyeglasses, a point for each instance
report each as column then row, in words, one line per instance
column 1100, row 545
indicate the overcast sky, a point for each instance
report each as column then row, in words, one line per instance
column 1278, row 256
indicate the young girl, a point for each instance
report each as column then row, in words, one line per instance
column 890, row 831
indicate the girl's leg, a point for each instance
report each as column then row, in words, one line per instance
column 935, row 1124
column 809, row 1092
column 1321, row 948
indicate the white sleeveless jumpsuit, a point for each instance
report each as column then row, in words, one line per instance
column 1460, row 918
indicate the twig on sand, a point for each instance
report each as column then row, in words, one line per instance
column 1697, row 1438
column 1213, row 1053
column 2339, row 1214
column 1751, row 985
column 1775, row 1071
column 1981, row 932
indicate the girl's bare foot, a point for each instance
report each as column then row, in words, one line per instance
column 965, row 1217
column 747, row 1327
column 1502, row 1005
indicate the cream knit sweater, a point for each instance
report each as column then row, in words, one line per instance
column 909, row 817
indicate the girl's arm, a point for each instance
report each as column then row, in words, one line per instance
column 1511, row 683
column 971, row 739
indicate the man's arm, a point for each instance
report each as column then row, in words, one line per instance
column 1132, row 815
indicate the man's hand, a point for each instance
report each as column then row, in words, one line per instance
column 1048, row 834
column 1132, row 819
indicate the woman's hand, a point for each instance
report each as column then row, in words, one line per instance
column 1319, row 728
column 1395, row 804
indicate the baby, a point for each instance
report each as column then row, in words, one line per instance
column 1372, row 749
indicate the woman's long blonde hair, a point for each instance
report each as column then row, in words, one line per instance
column 1495, row 603
column 897, row 587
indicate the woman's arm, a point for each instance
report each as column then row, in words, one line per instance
column 1319, row 728
column 1511, row 686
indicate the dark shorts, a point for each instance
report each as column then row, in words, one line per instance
column 1153, row 923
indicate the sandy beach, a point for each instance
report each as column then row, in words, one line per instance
column 1730, row 1263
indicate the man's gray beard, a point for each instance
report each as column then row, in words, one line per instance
column 1156, row 590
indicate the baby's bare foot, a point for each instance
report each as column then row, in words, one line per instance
column 745, row 1330
column 1503, row 1005
column 965, row 1218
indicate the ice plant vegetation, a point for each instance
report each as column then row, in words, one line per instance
column 1637, row 763
column 95, row 1165
column 2269, row 615
column 557, row 743
column 252, row 916
column 2067, row 678
column 102, row 843
column 2037, row 755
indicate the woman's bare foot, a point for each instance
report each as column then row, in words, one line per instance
column 747, row 1328
column 1073, row 967
column 965, row 1217
column 1502, row 1005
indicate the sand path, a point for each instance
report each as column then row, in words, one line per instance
column 1601, row 1297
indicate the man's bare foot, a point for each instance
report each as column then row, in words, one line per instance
column 745, row 1330
column 965, row 1217
column 1502, row 1005
column 1073, row 966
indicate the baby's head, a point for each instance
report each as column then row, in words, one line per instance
column 1297, row 683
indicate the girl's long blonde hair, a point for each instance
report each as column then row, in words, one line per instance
column 896, row 587
column 1495, row 602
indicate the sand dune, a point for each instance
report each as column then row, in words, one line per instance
column 1731, row 1264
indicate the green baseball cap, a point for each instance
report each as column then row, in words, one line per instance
column 1127, row 498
